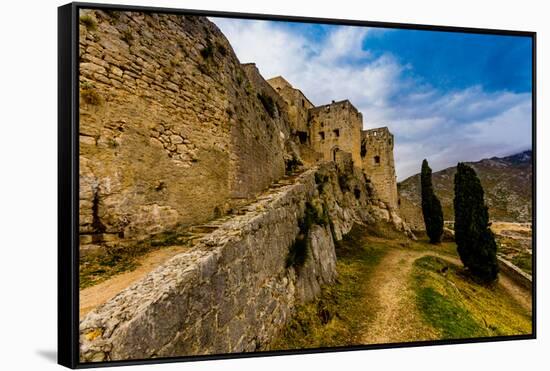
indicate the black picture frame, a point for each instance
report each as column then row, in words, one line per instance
column 68, row 180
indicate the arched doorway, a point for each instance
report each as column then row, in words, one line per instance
column 334, row 151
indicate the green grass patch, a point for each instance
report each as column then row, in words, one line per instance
column 96, row 268
column 459, row 307
column 336, row 317
column 452, row 320
column 524, row 261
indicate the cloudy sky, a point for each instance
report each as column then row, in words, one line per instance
column 447, row 97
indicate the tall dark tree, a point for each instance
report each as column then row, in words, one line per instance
column 475, row 241
column 431, row 207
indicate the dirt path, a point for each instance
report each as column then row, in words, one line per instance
column 522, row 296
column 98, row 294
column 397, row 319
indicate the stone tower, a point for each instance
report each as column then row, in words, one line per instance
column 298, row 107
column 377, row 160
column 334, row 133
column 336, row 127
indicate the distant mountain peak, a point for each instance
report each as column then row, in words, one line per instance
column 507, row 182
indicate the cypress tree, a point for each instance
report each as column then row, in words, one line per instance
column 431, row 207
column 475, row 241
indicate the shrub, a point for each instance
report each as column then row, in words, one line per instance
column 90, row 96
column 292, row 164
column 127, row 36
column 115, row 14
column 431, row 207
column 268, row 103
column 208, row 50
column 475, row 242
column 88, row 22
column 321, row 181
column 299, row 250
column 343, row 182
column 221, row 49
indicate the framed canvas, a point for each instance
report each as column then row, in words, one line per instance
column 236, row 185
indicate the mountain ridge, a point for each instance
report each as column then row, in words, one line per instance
column 507, row 182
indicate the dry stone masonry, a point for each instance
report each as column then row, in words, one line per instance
column 235, row 289
column 169, row 120
column 175, row 132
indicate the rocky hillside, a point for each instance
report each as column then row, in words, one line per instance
column 506, row 181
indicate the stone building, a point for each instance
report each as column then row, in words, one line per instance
column 175, row 132
column 334, row 131
column 377, row 162
column 336, row 127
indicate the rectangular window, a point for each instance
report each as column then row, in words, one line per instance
column 336, row 132
column 322, row 135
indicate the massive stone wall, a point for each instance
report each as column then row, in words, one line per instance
column 378, row 163
column 336, row 127
column 174, row 130
column 235, row 290
column 171, row 129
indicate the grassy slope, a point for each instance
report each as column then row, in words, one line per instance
column 451, row 302
column 457, row 306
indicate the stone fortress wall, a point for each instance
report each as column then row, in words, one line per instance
column 171, row 128
column 175, row 131
column 234, row 291
column 338, row 126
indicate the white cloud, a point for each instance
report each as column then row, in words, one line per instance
column 344, row 43
column 443, row 126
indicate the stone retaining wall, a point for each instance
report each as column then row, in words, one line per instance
column 517, row 275
column 235, row 290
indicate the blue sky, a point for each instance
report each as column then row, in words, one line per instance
column 447, row 97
